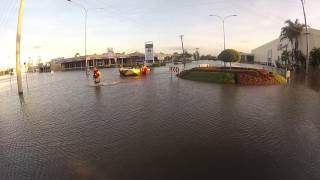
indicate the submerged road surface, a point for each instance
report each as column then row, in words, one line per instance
column 156, row 128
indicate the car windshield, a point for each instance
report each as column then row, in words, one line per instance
column 159, row 89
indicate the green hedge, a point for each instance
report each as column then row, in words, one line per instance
column 215, row 77
column 112, row 66
column 155, row 65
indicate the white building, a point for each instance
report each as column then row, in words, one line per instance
column 270, row 52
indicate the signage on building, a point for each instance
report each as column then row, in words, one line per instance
column 149, row 53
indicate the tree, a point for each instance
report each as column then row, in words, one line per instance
column 229, row 55
column 291, row 32
column 187, row 55
column 300, row 59
column 196, row 56
column 208, row 57
column 77, row 55
column 285, row 57
column 315, row 57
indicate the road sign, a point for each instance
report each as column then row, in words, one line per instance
column 174, row 69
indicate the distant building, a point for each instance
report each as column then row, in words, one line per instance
column 4, row 72
column 44, row 67
column 162, row 57
column 271, row 52
column 55, row 64
column 246, row 58
column 136, row 57
column 102, row 61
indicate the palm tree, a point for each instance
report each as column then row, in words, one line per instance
column 291, row 32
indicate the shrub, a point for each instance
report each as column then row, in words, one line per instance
column 229, row 55
column 315, row 57
column 280, row 79
column 155, row 65
column 214, row 77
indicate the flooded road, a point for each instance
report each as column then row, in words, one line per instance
column 158, row 127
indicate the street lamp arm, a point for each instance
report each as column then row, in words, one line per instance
column 80, row 5
column 225, row 18
column 95, row 9
column 214, row 15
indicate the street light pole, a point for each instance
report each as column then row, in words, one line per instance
column 85, row 35
column 223, row 22
column 183, row 58
column 18, row 45
column 224, row 36
column 85, row 40
column 307, row 36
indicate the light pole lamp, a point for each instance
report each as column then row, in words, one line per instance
column 223, row 19
column 86, row 10
column 85, row 34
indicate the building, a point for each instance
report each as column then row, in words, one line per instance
column 4, row 72
column 79, row 63
column 135, row 57
column 246, row 58
column 109, row 59
column 55, row 64
column 270, row 52
column 44, row 67
column 162, row 57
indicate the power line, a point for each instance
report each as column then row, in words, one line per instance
column 5, row 6
column 9, row 16
column 11, row 8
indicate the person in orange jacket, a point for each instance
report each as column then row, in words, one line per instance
column 144, row 70
column 96, row 75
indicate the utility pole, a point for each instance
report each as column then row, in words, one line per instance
column 183, row 59
column 307, row 36
column 18, row 44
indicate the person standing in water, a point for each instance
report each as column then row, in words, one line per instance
column 144, row 70
column 96, row 75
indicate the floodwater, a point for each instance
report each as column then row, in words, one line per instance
column 157, row 128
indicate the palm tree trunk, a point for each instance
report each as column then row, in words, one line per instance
column 292, row 54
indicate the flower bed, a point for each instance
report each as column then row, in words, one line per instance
column 242, row 76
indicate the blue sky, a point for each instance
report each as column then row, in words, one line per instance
column 55, row 28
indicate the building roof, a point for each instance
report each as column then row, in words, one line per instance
column 136, row 54
column 108, row 55
column 311, row 31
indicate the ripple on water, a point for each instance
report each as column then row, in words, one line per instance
column 157, row 128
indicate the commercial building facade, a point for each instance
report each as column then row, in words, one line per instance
column 246, row 58
column 270, row 52
column 102, row 61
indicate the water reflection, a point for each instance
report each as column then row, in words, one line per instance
column 21, row 98
column 98, row 92
column 314, row 79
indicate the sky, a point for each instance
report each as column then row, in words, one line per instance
column 55, row 28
